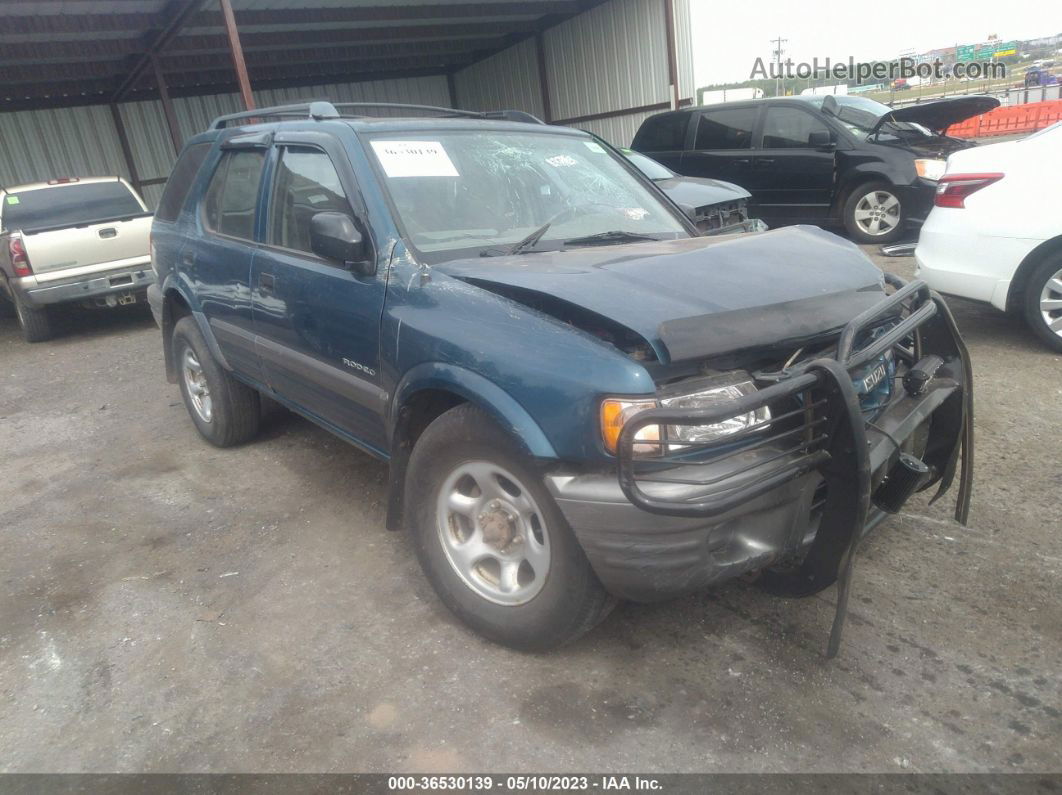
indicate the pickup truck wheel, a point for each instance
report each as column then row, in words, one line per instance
column 1043, row 302
column 873, row 213
column 491, row 540
column 225, row 411
column 35, row 322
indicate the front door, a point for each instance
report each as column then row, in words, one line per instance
column 317, row 322
column 792, row 179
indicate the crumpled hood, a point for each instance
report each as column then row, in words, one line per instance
column 697, row 192
column 703, row 296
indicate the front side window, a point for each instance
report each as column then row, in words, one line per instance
column 789, row 128
column 459, row 192
column 726, row 128
column 232, row 196
column 306, row 184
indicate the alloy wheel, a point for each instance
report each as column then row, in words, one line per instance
column 1051, row 303
column 196, row 384
column 877, row 213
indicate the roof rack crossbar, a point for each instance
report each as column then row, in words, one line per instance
column 311, row 110
column 321, row 109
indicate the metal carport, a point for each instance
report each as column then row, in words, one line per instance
column 96, row 87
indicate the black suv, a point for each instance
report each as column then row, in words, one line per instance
column 818, row 159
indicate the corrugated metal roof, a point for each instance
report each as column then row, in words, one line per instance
column 105, row 39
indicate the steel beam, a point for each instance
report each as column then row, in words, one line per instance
column 238, row 63
column 167, row 105
column 672, row 54
column 178, row 13
column 127, row 151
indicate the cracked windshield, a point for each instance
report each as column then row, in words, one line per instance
column 499, row 193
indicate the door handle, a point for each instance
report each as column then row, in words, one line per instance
column 742, row 161
column 764, row 161
column 266, row 283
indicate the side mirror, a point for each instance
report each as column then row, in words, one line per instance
column 334, row 236
column 820, row 139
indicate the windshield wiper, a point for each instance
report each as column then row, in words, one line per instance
column 615, row 236
column 520, row 246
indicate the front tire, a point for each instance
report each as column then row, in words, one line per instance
column 35, row 322
column 492, row 541
column 873, row 213
column 225, row 411
column 1043, row 302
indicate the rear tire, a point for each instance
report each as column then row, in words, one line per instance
column 35, row 322
column 505, row 561
column 873, row 213
column 225, row 411
column 1043, row 301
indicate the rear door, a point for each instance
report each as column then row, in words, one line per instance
column 318, row 323
column 791, row 180
column 219, row 263
column 720, row 145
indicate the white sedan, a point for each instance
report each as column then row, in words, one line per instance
column 995, row 231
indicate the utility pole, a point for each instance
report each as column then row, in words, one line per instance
column 777, row 53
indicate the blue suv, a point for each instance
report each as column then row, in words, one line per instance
column 580, row 398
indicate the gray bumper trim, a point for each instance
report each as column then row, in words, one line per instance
column 136, row 279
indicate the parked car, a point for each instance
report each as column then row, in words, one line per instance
column 716, row 207
column 1038, row 76
column 818, row 159
column 72, row 240
column 580, row 398
column 974, row 244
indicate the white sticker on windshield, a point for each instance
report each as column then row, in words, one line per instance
column 414, row 159
column 12, row 199
column 561, row 161
column 594, row 146
column 635, row 213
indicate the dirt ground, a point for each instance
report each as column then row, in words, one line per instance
column 167, row 606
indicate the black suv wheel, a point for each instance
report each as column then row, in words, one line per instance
column 873, row 213
column 491, row 540
column 225, row 411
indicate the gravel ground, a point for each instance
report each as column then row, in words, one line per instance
column 167, row 606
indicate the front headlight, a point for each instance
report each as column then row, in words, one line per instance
column 699, row 434
column 616, row 412
column 930, row 169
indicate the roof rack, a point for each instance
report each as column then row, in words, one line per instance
column 321, row 110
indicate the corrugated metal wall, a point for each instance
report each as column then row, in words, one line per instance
column 612, row 58
column 506, row 81
column 41, row 144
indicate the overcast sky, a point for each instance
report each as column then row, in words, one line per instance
column 727, row 37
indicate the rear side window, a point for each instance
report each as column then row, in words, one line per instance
column 68, row 205
column 789, row 128
column 306, row 184
column 233, row 193
column 666, row 133
column 726, row 128
column 180, row 181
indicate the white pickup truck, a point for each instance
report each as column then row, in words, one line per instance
column 72, row 240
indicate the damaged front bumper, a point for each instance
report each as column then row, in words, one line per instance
column 803, row 487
